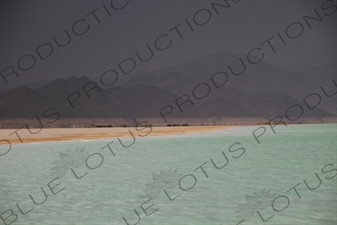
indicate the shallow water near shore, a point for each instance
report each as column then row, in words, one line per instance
column 117, row 181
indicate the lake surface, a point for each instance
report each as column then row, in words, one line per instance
column 219, row 177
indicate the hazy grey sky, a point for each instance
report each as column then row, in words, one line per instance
column 26, row 25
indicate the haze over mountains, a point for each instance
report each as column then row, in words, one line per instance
column 203, row 91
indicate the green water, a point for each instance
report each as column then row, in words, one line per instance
column 206, row 195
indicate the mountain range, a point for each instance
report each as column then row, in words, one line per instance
column 203, row 91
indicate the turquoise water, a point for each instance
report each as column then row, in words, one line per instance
column 256, row 178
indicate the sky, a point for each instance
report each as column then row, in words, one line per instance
column 117, row 29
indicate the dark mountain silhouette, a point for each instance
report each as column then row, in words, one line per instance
column 311, row 61
column 140, row 79
column 256, row 96
column 313, row 81
column 259, row 78
column 150, row 100
column 23, row 102
column 280, row 104
column 144, row 101
column 99, row 105
column 168, row 81
column 32, row 85
column 220, row 107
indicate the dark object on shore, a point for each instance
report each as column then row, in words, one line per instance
column 177, row 125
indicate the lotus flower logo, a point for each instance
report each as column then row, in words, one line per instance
column 257, row 201
column 68, row 160
column 164, row 180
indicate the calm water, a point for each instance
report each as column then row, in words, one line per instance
column 255, row 177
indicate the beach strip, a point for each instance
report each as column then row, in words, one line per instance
column 25, row 136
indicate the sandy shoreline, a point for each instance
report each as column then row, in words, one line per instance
column 72, row 134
